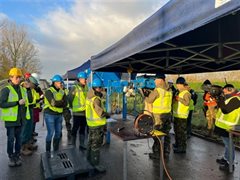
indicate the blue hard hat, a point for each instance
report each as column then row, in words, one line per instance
column 97, row 83
column 181, row 80
column 57, row 78
column 82, row 75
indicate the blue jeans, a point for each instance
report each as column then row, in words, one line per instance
column 27, row 129
column 226, row 149
column 13, row 134
column 54, row 125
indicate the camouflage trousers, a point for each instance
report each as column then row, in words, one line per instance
column 180, row 129
column 95, row 140
column 211, row 116
column 162, row 123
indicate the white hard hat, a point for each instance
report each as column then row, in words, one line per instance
column 35, row 75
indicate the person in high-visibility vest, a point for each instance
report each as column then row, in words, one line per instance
column 14, row 101
column 77, row 101
column 39, row 101
column 209, row 107
column 181, row 103
column 96, row 121
column 28, row 145
column 55, row 100
column 161, row 100
column 228, row 115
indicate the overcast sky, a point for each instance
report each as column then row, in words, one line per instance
column 69, row 32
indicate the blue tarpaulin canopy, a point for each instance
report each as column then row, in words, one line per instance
column 72, row 74
column 182, row 37
column 104, row 76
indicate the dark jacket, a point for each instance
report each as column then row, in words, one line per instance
column 21, row 110
column 60, row 104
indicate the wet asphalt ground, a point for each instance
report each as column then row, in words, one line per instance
column 199, row 163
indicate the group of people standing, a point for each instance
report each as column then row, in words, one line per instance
column 20, row 105
column 222, row 112
column 21, row 101
column 165, row 105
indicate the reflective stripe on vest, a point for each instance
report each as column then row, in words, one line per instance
column 79, row 101
column 227, row 121
column 163, row 103
column 57, row 95
column 92, row 117
column 179, row 109
column 11, row 113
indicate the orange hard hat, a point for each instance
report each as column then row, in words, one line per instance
column 15, row 72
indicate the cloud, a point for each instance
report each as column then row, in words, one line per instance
column 66, row 38
column 3, row 16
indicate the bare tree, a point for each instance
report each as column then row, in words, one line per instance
column 17, row 50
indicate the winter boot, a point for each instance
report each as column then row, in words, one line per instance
column 32, row 147
column 180, row 150
column 69, row 134
column 25, row 151
column 18, row 160
column 81, row 142
column 56, row 144
column 95, row 157
column 225, row 167
column 73, row 140
column 11, row 162
column 35, row 134
column 221, row 160
column 48, row 148
column 210, row 133
column 154, row 155
column 69, row 131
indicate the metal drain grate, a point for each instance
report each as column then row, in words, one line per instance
column 67, row 164
column 63, row 155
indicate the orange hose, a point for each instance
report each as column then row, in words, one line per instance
column 163, row 160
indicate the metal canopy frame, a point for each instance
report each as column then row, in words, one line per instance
column 197, row 59
column 192, row 42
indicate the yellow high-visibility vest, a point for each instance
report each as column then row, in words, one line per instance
column 227, row 121
column 37, row 97
column 79, row 100
column 33, row 91
column 58, row 95
column 92, row 117
column 163, row 103
column 179, row 109
column 11, row 113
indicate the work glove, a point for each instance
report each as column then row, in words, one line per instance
column 21, row 102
